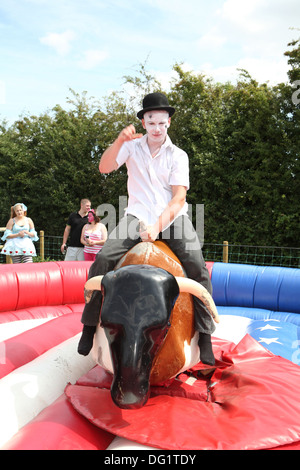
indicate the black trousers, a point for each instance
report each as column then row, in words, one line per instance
column 183, row 241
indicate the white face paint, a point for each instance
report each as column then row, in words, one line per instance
column 156, row 124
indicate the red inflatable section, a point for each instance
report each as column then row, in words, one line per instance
column 27, row 346
column 250, row 401
column 253, row 390
column 60, row 427
column 209, row 265
column 40, row 290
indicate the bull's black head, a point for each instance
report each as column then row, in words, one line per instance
column 135, row 313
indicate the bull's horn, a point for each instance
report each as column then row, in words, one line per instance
column 94, row 283
column 196, row 289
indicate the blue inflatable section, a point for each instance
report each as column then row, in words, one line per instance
column 262, row 290
column 269, row 296
column 259, row 314
column 282, row 339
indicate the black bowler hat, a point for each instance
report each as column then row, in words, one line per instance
column 155, row 102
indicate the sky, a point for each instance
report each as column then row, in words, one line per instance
column 50, row 46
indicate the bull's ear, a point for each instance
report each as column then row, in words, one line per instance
column 196, row 289
column 94, row 283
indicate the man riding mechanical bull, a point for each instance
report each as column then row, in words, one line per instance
column 158, row 181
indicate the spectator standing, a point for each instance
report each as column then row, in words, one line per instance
column 19, row 235
column 73, row 230
column 93, row 236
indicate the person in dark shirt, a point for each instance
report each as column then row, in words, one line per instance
column 73, row 230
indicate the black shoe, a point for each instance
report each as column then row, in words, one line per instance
column 86, row 341
column 206, row 352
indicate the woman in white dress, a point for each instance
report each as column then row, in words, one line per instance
column 19, row 235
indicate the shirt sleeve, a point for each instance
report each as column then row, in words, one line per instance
column 35, row 237
column 6, row 233
column 180, row 170
column 123, row 154
column 70, row 219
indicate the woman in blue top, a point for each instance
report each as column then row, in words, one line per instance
column 19, row 235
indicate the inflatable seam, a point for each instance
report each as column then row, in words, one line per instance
column 18, row 291
column 254, row 288
column 279, row 291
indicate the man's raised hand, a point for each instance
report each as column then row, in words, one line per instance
column 128, row 134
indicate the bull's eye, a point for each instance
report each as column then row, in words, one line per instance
column 112, row 332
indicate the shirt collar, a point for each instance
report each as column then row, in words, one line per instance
column 166, row 144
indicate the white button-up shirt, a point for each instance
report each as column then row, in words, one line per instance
column 150, row 180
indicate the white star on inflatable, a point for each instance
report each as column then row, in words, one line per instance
column 269, row 340
column 268, row 327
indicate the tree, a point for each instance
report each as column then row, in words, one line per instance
column 287, row 224
column 241, row 166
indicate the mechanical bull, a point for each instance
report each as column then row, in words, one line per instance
column 146, row 333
